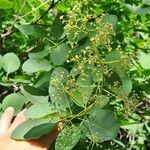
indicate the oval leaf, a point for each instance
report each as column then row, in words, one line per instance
column 39, row 110
column 33, row 129
column 101, row 101
column 100, row 126
column 85, row 83
column 11, row 62
column 40, row 54
column 59, row 54
column 57, row 27
column 68, row 138
column 14, row 100
column 28, row 29
column 57, row 95
column 36, row 65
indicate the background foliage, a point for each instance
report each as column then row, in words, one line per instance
column 84, row 63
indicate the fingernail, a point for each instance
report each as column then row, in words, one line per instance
column 22, row 112
column 10, row 109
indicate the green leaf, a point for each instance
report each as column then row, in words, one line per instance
column 131, row 127
column 111, row 19
column 126, row 83
column 101, row 101
column 100, row 126
column 113, row 57
column 6, row 84
column 59, row 54
column 36, row 65
column 57, row 94
column 118, row 74
column 29, row 29
column 59, row 76
column 14, row 100
column 21, row 79
column 40, row 110
column 144, row 60
column 40, row 91
column 57, row 27
column 62, row 7
column 39, row 55
column 85, row 83
column 119, row 82
column 33, row 129
column 59, row 97
column 147, row 2
column 68, row 138
column 75, row 38
column 77, row 98
column 34, row 99
column 83, row 43
column 74, row 71
column 137, row 9
column 42, row 78
column 11, row 62
column 1, row 61
column 5, row 4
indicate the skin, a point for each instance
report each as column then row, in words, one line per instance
column 7, row 126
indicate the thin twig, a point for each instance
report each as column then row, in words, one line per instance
column 34, row 9
column 53, row 4
column 17, row 17
column 49, row 8
column 9, row 31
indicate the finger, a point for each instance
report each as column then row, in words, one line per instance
column 18, row 120
column 6, row 119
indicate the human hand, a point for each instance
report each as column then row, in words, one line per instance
column 7, row 126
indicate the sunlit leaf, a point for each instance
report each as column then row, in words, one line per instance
column 5, row 4
column 39, row 110
column 144, row 60
column 147, row 2
column 14, row 100
column 137, row 9
column 11, row 62
column 36, row 65
column 31, row 29
column 33, row 129
column 39, row 55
